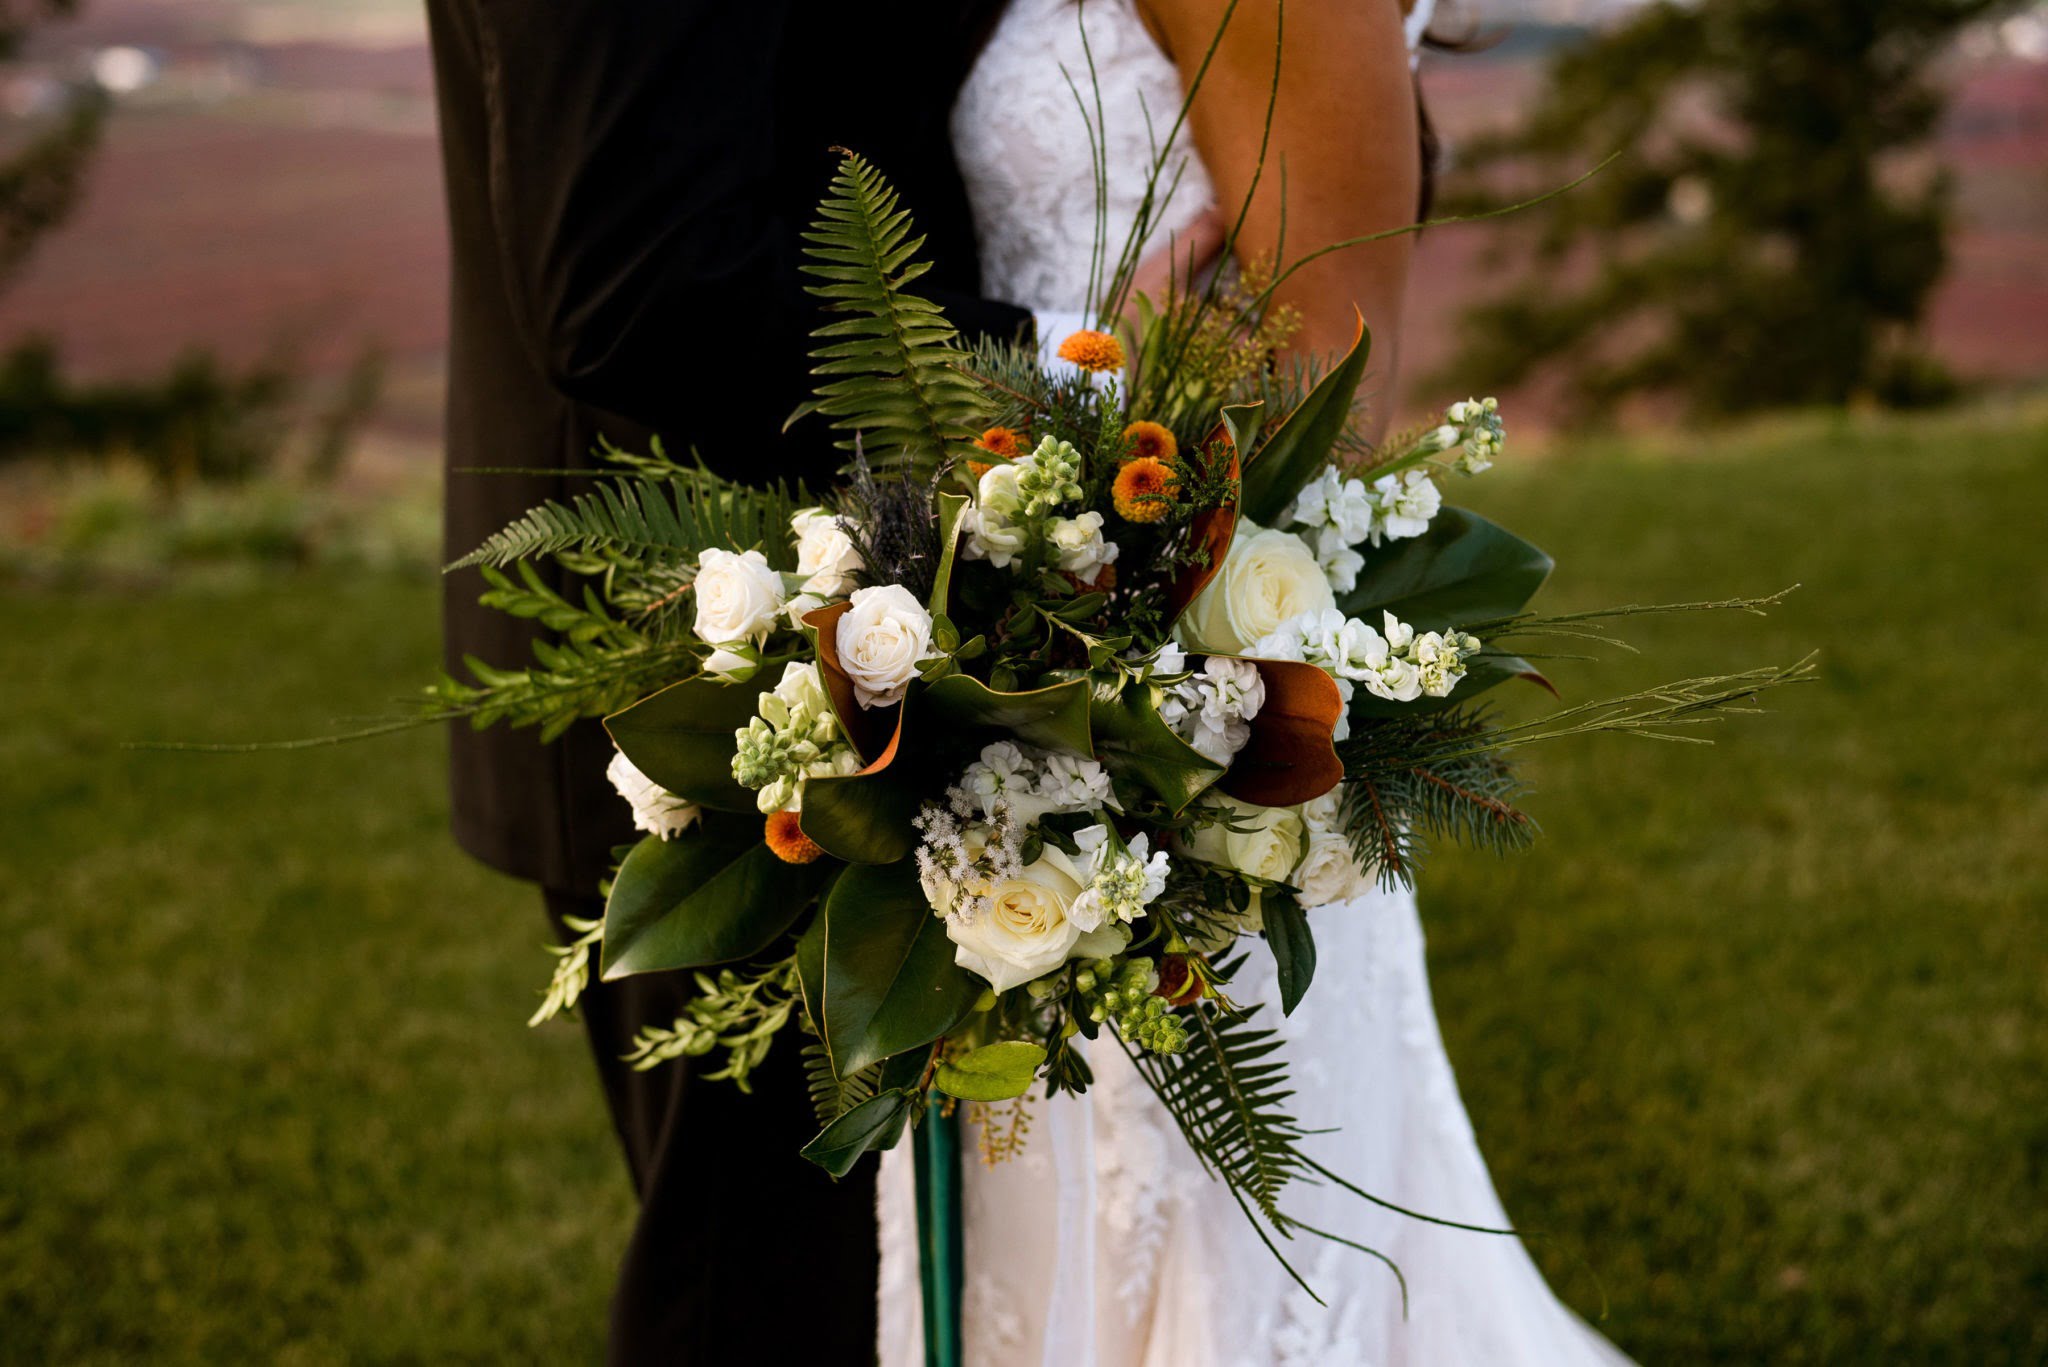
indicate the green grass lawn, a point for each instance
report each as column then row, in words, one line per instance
column 1756, row 1034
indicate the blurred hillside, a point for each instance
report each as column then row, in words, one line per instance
column 270, row 178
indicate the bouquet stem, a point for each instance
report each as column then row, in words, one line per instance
column 938, row 1236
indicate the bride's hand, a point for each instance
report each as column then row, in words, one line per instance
column 1181, row 259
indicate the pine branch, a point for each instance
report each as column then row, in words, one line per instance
column 891, row 367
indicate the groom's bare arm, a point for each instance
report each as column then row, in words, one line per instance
column 1344, row 124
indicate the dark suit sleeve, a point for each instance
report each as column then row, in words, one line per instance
column 632, row 160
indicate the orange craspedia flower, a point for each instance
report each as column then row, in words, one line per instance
column 1003, row 441
column 1139, row 478
column 786, row 837
column 1144, row 440
column 1093, row 350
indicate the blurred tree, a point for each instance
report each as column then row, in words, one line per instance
column 1757, row 244
column 42, row 175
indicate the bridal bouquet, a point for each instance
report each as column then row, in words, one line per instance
column 1091, row 679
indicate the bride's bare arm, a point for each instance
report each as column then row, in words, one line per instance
column 1344, row 124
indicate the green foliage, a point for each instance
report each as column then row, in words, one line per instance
column 891, row 367
column 871, row 1124
column 655, row 521
column 712, row 894
column 994, row 1072
column 832, row 1095
column 682, row 736
column 739, row 1011
column 1463, row 570
column 888, row 977
column 572, row 969
column 1301, row 443
column 1292, row 943
column 566, row 684
column 1394, row 804
column 1752, row 249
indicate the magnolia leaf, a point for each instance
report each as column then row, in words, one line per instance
column 1294, row 948
column 681, row 737
column 994, row 1072
column 866, row 817
column 1291, row 757
column 869, row 728
column 711, row 895
column 1464, row 569
column 951, row 506
column 1300, row 446
column 1055, row 717
column 890, row 980
column 1132, row 739
column 874, row 1124
column 1211, row 530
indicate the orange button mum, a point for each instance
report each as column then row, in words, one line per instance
column 1003, row 441
column 1150, row 440
column 1137, row 479
column 1092, row 350
column 788, row 840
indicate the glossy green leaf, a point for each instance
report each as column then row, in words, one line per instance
column 1464, row 569
column 890, row 980
column 1133, row 740
column 1242, row 421
column 682, row 737
column 713, row 894
column 1054, row 717
column 951, row 506
column 874, row 1124
column 863, row 818
column 1294, row 947
column 1300, row 446
column 994, row 1072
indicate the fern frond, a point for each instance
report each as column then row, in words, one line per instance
column 831, row 1095
column 891, row 367
column 657, row 522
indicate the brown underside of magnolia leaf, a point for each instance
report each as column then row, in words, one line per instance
column 1211, row 530
column 1291, row 756
column 873, row 731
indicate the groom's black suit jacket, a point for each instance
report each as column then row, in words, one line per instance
column 627, row 180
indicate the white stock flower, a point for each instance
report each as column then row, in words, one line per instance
column 738, row 600
column 825, row 554
column 656, row 810
column 1327, row 873
column 1330, row 500
column 1340, row 562
column 1268, row 577
column 1002, row 773
column 1122, row 880
column 1079, row 543
column 1212, row 709
column 1026, row 931
column 882, row 639
column 1406, row 503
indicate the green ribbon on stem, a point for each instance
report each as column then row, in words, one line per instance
column 938, row 1236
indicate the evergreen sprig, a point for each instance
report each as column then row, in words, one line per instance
column 891, row 366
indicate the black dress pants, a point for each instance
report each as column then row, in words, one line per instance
column 743, row 1252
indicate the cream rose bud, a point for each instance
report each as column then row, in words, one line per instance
column 738, row 597
column 825, row 554
column 1327, row 873
column 1026, row 933
column 1269, row 847
column 882, row 639
column 1267, row 577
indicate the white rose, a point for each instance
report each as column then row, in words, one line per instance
column 1268, row 577
column 1269, row 847
column 1327, row 873
column 882, row 639
column 656, row 810
column 1025, row 933
column 1080, row 546
column 738, row 598
column 825, row 554
column 989, row 529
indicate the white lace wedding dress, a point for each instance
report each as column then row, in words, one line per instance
column 1104, row 1244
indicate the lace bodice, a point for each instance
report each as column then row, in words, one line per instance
column 1021, row 133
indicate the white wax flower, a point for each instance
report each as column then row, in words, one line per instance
column 825, row 554
column 882, row 639
column 1079, row 544
column 738, row 600
column 1026, row 931
column 1267, row 577
column 656, row 810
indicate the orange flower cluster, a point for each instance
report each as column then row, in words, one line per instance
column 1139, row 479
column 1093, row 350
column 1001, row 441
column 1150, row 440
column 787, row 839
